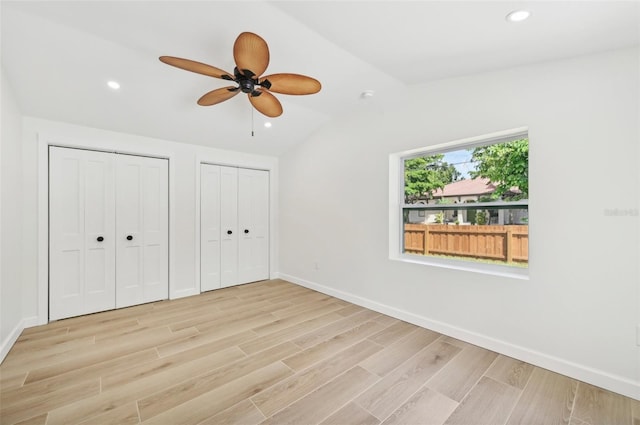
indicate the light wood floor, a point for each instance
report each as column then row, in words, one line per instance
column 275, row 353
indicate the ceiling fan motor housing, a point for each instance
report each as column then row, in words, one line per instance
column 245, row 80
column 246, row 85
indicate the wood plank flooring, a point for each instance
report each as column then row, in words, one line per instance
column 275, row 353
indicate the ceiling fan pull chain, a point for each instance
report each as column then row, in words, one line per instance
column 252, row 122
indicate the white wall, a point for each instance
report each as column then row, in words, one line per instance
column 11, row 312
column 184, row 162
column 578, row 311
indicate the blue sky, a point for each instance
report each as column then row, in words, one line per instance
column 461, row 160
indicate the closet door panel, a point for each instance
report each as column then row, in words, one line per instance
column 99, row 225
column 67, row 230
column 209, row 227
column 81, row 232
column 253, row 215
column 155, row 202
column 129, row 289
column 142, row 230
column 229, row 226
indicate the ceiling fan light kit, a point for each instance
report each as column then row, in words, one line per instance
column 251, row 55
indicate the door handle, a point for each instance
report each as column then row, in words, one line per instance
column 246, row 230
column 100, row 239
column 229, row 232
column 129, row 237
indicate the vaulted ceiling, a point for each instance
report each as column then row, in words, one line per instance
column 58, row 57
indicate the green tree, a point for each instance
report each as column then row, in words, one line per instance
column 451, row 173
column 506, row 165
column 424, row 175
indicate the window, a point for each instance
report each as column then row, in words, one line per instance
column 465, row 203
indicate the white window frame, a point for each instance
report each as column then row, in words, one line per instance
column 396, row 206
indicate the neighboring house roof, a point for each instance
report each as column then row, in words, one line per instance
column 478, row 187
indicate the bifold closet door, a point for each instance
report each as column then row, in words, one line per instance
column 142, row 221
column 229, row 226
column 234, row 226
column 210, row 232
column 81, row 232
column 253, row 225
column 108, row 231
column 218, row 226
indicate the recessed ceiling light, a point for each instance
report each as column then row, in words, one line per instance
column 518, row 16
column 113, row 85
column 267, row 124
column 367, row 94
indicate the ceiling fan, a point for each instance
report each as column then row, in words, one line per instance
column 251, row 55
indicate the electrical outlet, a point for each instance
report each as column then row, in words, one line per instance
column 316, row 266
column 638, row 335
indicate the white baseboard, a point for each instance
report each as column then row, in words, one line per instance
column 15, row 334
column 184, row 293
column 599, row 378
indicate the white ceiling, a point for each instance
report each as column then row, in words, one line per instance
column 58, row 57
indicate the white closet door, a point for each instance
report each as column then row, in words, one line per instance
column 81, row 232
column 229, row 226
column 141, row 230
column 209, row 227
column 253, row 216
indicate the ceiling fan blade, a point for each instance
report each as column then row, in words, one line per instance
column 218, row 95
column 251, row 53
column 266, row 103
column 197, row 67
column 291, row 84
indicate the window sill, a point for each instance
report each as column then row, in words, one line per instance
column 490, row 269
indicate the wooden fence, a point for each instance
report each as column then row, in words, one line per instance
column 508, row 243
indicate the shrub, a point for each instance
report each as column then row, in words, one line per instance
column 481, row 217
